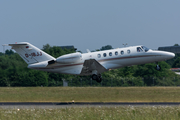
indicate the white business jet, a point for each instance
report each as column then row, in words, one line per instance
column 91, row 63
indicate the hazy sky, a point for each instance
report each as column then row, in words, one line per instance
column 90, row 24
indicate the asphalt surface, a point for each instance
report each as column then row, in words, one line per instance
column 81, row 104
column 88, row 103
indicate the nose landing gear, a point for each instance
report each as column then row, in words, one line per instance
column 158, row 67
column 97, row 77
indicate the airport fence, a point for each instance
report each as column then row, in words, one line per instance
column 123, row 82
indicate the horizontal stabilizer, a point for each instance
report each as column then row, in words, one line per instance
column 17, row 44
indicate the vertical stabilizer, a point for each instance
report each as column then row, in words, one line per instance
column 30, row 53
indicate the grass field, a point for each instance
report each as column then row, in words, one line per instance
column 93, row 113
column 90, row 94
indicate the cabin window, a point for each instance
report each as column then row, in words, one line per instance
column 122, row 52
column 104, row 54
column 128, row 51
column 139, row 49
column 99, row 55
column 116, row 53
column 110, row 54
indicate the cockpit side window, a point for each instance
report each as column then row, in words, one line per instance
column 139, row 49
column 145, row 48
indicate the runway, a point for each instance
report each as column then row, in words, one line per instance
column 81, row 104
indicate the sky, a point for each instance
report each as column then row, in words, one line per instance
column 90, row 24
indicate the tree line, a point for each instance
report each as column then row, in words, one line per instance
column 14, row 72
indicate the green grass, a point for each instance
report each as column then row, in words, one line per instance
column 90, row 94
column 93, row 113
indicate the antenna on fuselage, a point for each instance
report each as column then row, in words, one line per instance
column 125, row 44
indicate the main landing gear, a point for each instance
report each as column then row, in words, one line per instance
column 97, row 77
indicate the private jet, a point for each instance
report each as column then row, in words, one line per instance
column 90, row 63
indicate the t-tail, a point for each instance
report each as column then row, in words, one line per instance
column 31, row 54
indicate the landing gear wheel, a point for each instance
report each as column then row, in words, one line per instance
column 97, row 77
column 99, row 80
column 158, row 67
column 94, row 77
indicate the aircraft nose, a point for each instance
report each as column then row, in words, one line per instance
column 169, row 55
column 163, row 55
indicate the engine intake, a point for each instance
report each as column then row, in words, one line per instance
column 69, row 58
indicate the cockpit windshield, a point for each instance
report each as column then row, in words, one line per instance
column 145, row 48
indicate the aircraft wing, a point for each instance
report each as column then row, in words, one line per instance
column 90, row 65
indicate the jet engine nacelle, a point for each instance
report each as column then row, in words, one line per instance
column 69, row 58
